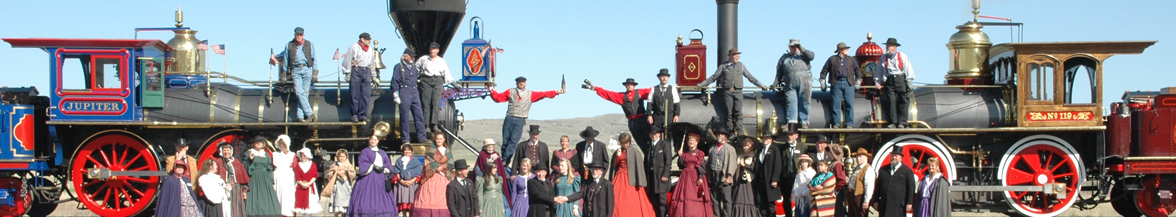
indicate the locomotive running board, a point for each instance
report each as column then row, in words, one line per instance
column 1058, row 189
column 953, row 130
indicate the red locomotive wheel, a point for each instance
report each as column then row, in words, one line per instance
column 21, row 198
column 210, row 149
column 1037, row 161
column 916, row 149
column 118, row 195
column 1156, row 197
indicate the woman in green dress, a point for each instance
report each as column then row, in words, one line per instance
column 568, row 183
column 490, row 192
column 261, row 200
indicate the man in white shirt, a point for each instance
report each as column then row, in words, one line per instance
column 861, row 184
column 359, row 62
column 434, row 76
column 894, row 78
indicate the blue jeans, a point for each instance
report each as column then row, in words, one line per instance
column 512, row 130
column 797, row 96
column 302, row 78
column 842, row 96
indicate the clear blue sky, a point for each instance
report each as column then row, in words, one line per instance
column 603, row 41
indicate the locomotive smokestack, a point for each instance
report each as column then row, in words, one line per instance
column 728, row 27
column 424, row 22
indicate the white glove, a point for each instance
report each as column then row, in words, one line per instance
column 396, row 97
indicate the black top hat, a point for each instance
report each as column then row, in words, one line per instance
column 539, row 167
column 299, row 30
column 521, row 79
column 595, row 165
column 656, row 128
column 721, row 128
column 589, row 133
column 767, row 134
column 892, row 41
column 460, row 164
column 791, row 129
column 256, row 139
column 409, row 51
column 896, row 150
column 629, row 81
column 434, row 45
column 180, row 143
column 822, row 138
column 663, row 72
column 534, row 129
column 365, row 36
column 841, row 46
column 733, row 51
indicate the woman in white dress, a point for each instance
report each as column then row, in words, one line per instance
column 214, row 189
column 284, row 174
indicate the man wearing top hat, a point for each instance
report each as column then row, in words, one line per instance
column 404, row 92
column 790, row 149
column 861, row 184
column 729, row 89
column 721, row 167
column 434, row 76
column 299, row 60
column 518, row 107
column 822, row 152
column 597, row 195
column 767, row 182
column 897, row 191
column 664, row 102
column 360, row 63
column 181, row 155
column 532, row 149
column 632, row 102
column 461, row 194
column 794, row 74
column 591, row 151
column 894, row 78
column 843, row 73
column 659, row 162
column 541, row 193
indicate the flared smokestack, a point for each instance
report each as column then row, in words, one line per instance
column 728, row 27
column 422, row 22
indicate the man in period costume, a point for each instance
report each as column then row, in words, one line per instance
column 181, row 155
column 790, row 150
column 660, row 162
column 435, row 75
column 844, row 74
column 542, row 193
column 299, row 60
column 175, row 194
column 360, row 63
column 461, row 193
column 235, row 175
column 518, row 107
column 895, row 78
column 598, row 195
column 729, row 90
column 721, row 166
column 664, row 102
column 632, row 103
column 404, row 90
column 822, row 152
column 794, row 73
column 532, row 149
column 767, row 183
column 861, row 184
column 897, row 191
column 591, row 151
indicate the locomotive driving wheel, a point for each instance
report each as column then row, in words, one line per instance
column 1036, row 161
column 211, row 147
column 116, row 195
column 21, row 199
column 1156, row 197
column 916, row 149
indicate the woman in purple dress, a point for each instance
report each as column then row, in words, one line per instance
column 520, row 200
column 371, row 195
column 933, row 194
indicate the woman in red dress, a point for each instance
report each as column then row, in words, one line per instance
column 306, row 195
column 691, row 196
column 629, row 180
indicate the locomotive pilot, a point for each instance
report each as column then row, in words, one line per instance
column 404, row 92
column 894, row 78
column 360, row 62
column 793, row 72
column 729, row 91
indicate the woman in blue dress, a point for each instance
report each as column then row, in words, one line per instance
column 371, row 196
column 568, row 183
column 520, row 200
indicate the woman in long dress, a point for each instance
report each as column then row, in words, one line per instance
column 565, row 152
column 629, row 180
column 214, row 188
column 371, row 197
column 744, row 193
column 691, row 196
column 932, row 192
column 306, row 196
column 568, row 183
column 520, row 199
column 800, row 187
column 341, row 174
column 430, row 198
column 175, row 197
column 822, row 186
column 490, row 193
column 284, row 174
column 407, row 173
column 261, row 199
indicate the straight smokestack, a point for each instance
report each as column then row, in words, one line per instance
column 728, row 27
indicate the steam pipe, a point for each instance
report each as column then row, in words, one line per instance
column 728, row 28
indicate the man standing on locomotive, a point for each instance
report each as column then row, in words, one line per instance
column 404, row 92
column 663, row 101
column 632, row 102
column 518, row 106
column 729, row 91
column 843, row 73
column 894, row 78
column 302, row 67
column 359, row 62
column 434, row 76
column 794, row 73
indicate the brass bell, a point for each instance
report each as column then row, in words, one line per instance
column 379, row 57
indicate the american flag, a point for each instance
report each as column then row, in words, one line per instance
column 203, row 45
column 336, row 54
column 219, row 49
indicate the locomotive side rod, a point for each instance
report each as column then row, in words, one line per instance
column 1057, row 189
column 106, row 173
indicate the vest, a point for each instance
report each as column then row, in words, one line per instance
column 662, row 101
column 292, row 50
column 859, row 184
column 732, row 75
column 519, row 104
column 632, row 103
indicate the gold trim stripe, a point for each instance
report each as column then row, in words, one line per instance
column 212, row 104
column 237, row 108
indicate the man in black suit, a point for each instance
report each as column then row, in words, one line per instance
column 542, row 193
column 896, row 187
column 531, row 149
column 767, row 182
column 821, row 154
column 598, row 195
column 461, row 193
column 659, row 160
column 590, row 151
column 791, row 149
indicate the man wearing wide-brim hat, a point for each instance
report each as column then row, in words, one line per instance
column 861, row 184
column 591, row 151
column 518, row 108
column 531, row 149
column 729, row 89
column 664, row 101
column 894, row 77
column 632, row 103
column 794, row 75
column 897, row 191
column 844, row 75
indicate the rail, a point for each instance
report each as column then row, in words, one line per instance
column 458, row 139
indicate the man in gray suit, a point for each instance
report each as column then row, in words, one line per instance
column 721, row 165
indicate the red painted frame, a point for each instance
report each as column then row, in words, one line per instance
column 61, row 106
column 121, row 54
